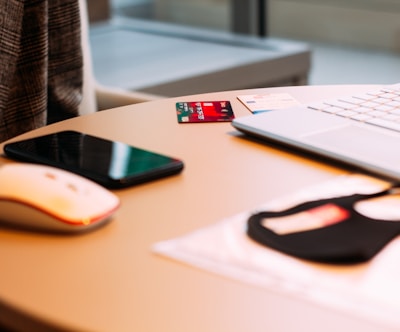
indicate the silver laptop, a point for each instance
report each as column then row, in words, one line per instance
column 361, row 130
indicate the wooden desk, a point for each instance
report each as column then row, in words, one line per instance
column 109, row 280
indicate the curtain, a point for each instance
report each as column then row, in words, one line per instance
column 40, row 64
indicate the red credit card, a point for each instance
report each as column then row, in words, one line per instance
column 204, row 111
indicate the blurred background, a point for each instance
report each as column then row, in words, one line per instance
column 349, row 41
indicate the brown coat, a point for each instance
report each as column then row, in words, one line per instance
column 40, row 63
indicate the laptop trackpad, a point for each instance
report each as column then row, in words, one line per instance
column 358, row 142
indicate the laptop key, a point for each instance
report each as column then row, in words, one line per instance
column 362, row 110
column 361, row 117
column 377, row 114
column 340, row 104
column 384, row 123
column 391, row 117
column 383, row 108
column 346, row 114
column 351, row 100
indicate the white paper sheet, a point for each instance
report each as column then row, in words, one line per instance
column 370, row 290
column 268, row 102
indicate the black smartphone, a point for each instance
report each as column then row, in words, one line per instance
column 112, row 164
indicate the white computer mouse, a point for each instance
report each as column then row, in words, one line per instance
column 45, row 198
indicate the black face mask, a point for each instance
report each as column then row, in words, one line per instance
column 327, row 230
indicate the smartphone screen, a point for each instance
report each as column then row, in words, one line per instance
column 109, row 163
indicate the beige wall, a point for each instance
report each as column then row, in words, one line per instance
column 364, row 23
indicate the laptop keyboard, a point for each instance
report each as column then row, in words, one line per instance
column 379, row 107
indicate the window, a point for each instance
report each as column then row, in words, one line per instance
column 235, row 15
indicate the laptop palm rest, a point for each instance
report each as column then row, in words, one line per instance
column 358, row 144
